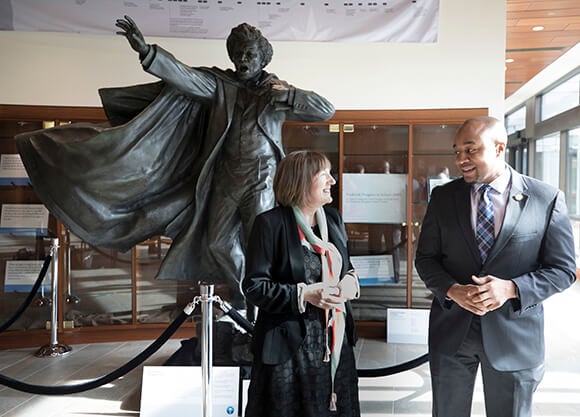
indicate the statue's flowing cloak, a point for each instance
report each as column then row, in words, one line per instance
column 148, row 174
column 150, row 171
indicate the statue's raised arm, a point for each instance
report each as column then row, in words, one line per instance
column 130, row 30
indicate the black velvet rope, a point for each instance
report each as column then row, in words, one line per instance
column 237, row 317
column 95, row 383
column 368, row 373
column 30, row 296
column 153, row 347
column 395, row 369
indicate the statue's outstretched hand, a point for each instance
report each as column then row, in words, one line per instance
column 130, row 30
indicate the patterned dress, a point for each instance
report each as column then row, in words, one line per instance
column 301, row 387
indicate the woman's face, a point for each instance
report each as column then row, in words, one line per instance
column 320, row 188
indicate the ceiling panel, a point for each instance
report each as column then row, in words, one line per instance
column 532, row 51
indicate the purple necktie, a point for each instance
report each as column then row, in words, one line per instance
column 484, row 230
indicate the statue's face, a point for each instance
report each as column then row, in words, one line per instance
column 247, row 59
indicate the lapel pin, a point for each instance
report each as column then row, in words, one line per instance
column 518, row 197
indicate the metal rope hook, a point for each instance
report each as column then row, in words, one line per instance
column 54, row 349
column 245, row 324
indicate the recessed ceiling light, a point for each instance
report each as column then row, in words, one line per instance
column 537, row 28
column 509, row 60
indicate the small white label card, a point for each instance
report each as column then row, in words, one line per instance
column 12, row 170
column 24, row 216
column 20, row 276
column 407, row 325
column 374, row 269
column 176, row 391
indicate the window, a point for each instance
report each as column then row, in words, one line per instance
column 516, row 120
column 547, row 161
column 573, row 173
column 560, row 98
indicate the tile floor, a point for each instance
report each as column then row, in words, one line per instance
column 405, row 394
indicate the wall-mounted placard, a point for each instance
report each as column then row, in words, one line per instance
column 20, row 276
column 12, row 171
column 24, row 219
column 374, row 198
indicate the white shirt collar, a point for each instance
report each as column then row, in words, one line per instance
column 500, row 184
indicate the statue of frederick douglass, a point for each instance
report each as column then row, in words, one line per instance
column 191, row 157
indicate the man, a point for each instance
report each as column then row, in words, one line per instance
column 490, row 267
column 192, row 157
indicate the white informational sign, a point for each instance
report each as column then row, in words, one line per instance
column 374, row 198
column 12, row 171
column 282, row 20
column 17, row 218
column 407, row 325
column 20, row 276
column 374, row 269
column 176, row 391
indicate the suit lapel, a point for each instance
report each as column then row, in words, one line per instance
column 463, row 205
column 515, row 205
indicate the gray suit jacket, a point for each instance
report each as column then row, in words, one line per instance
column 535, row 249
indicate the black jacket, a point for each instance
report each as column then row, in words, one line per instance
column 274, row 265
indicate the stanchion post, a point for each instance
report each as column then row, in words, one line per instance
column 54, row 348
column 206, row 293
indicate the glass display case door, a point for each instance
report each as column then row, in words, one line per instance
column 433, row 164
column 375, row 193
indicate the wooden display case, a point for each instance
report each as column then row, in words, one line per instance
column 105, row 295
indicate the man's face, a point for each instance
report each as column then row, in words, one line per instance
column 247, row 59
column 477, row 155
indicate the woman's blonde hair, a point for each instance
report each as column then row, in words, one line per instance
column 294, row 176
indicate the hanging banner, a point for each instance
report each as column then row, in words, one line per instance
column 284, row 20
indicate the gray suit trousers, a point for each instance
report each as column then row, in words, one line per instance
column 507, row 393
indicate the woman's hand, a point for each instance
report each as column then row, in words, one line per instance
column 323, row 295
column 349, row 287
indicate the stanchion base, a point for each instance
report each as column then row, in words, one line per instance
column 51, row 351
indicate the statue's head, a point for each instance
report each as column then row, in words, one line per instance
column 249, row 50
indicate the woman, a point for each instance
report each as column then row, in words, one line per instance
column 300, row 277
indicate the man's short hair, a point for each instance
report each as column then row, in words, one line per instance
column 493, row 128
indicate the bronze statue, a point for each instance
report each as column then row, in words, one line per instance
column 191, row 157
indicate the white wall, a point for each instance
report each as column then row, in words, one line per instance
column 465, row 68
